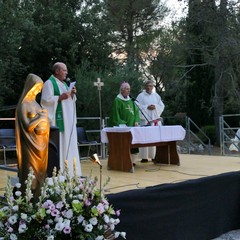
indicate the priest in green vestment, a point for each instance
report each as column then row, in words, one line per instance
column 124, row 110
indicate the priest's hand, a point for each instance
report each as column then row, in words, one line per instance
column 151, row 107
column 63, row 96
column 73, row 91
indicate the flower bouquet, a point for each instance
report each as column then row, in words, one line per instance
column 67, row 208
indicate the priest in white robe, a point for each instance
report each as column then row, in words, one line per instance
column 151, row 108
column 60, row 102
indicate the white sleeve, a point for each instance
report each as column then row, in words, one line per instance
column 49, row 101
column 159, row 106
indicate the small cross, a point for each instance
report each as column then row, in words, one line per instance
column 99, row 84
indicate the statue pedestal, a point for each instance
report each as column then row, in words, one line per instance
column 53, row 150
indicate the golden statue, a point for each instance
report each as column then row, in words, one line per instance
column 32, row 134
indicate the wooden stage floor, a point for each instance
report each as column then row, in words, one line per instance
column 148, row 174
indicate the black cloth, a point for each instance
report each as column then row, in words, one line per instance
column 199, row 209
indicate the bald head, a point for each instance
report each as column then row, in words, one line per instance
column 60, row 71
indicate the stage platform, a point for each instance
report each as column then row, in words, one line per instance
column 149, row 174
column 197, row 200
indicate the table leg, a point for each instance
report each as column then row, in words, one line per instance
column 119, row 152
column 167, row 153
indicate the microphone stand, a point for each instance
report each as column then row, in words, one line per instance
column 135, row 100
column 94, row 158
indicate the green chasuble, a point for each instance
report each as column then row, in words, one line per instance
column 59, row 113
column 123, row 112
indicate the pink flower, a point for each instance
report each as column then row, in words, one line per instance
column 67, row 230
column 10, row 229
column 100, row 208
column 55, row 213
column 118, row 212
column 51, row 206
column 87, row 202
column 47, row 226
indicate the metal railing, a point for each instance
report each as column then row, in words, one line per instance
column 192, row 141
column 94, row 125
column 193, row 137
column 228, row 131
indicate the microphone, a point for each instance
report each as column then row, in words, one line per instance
column 68, row 81
column 94, row 158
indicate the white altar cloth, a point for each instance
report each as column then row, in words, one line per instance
column 150, row 134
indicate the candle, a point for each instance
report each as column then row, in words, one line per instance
column 74, row 165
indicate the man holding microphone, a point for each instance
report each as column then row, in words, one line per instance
column 60, row 101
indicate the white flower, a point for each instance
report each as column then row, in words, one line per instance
column 24, row 216
column 84, row 223
column 50, row 237
column 88, row 228
column 50, row 221
column 117, row 221
column 18, row 185
column 15, row 208
column 4, row 209
column 50, row 182
column 80, row 196
column 59, row 205
column 116, row 235
column 93, row 221
column 59, row 226
column 123, row 234
column 112, row 227
column 13, row 237
column 57, row 190
column 62, row 179
column 99, row 238
column 13, row 219
column 18, row 193
column 75, row 201
column 76, row 189
column 69, row 214
column 67, row 222
column 106, row 218
column 22, row 228
column 80, row 218
column 58, row 219
column 111, row 220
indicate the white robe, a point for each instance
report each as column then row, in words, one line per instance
column 68, row 139
column 145, row 99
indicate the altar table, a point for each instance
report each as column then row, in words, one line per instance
column 121, row 140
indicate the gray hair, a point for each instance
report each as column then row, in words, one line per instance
column 56, row 66
column 147, row 83
column 123, row 85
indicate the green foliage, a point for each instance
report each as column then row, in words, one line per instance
column 135, row 24
column 194, row 63
column 88, row 103
column 210, row 131
column 11, row 69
